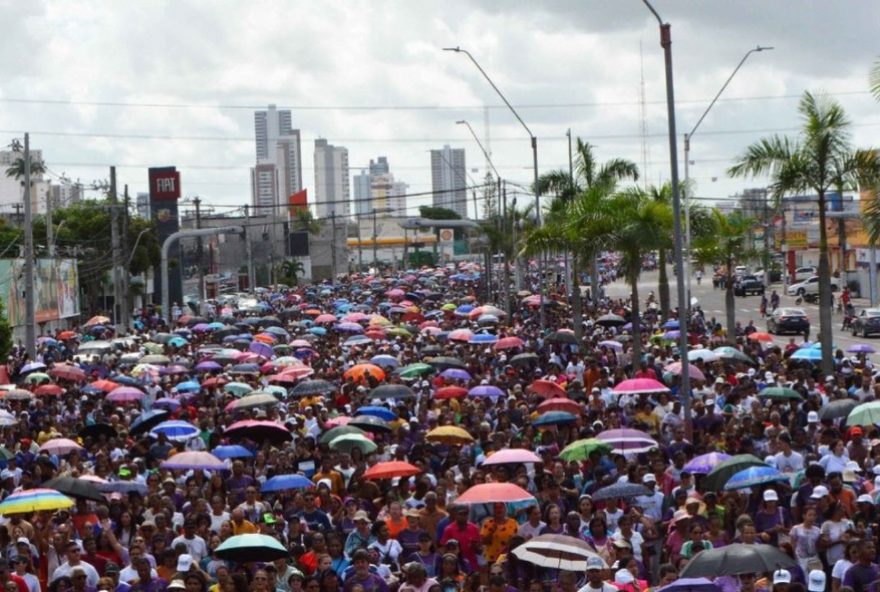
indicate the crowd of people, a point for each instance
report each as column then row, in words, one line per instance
column 320, row 384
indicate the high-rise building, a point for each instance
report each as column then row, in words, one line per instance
column 448, row 179
column 278, row 170
column 377, row 189
column 332, row 185
column 379, row 166
column 363, row 203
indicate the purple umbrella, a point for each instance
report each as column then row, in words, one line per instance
column 701, row 465
column 261, row 349
column 627, row 441
column 167, row 403
column 486, row 390
column 208, row 366
column 173, row 370
column 861, row 348
column 349, row 328
column 201, row 328
column 671, row 335
column 456, row 374
column 125, row 394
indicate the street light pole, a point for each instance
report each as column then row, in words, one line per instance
column 534, row 141
column 480, row 144
column 687, row 157
column 685, row 390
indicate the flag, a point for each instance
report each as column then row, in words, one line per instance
column 297, row 202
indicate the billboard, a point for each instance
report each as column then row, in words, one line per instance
column 56, row 284
column 164, row 193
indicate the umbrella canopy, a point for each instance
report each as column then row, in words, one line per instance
column 67, row 372
column 753, row 476
column 695, row 373
column 731, row 353
column 60, row 446
column 392, row 391
column 546, row 388
column 701, row 465
column 381, row 412
column 808, row 354
column 456, row 374
column 856, row 348
column 391, row 469
column 348, row 442
column 78, row 488
column 509, row 343
column 627, row 441
column 449, row 435
column 837, row 408
column 308, row 388
column 176, row 430
column 691, row 585
column 718, row 477
column 370, row 423
column 560, row 404
column 489, row 493
column 35, row 500
column 486, row 390
column 736, row 559
column 524, row 359
column 450, row 392
column 553, row 418
column 194, row 461
column 286, row 482
column 253, row 401
column 444, row 362
column 126, row 394
column 415, row 370
column 866, row 414
column 562, row 337
column 337, row 431
column 556, row 551
column 582, row 449
column 621, row 491
column 258, row 430
column 610, row 320
column 232, row 451
column 511, row 456
column 634, row 386
column 359, row 372
column 147, row 421
column 245, row 548
column 780, row 392
column 705, row 355
column 237, row 389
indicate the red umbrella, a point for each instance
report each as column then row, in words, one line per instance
column 546, row 388
column 67, row 372
column 450, row 392
column 52, row 390
column 214, row 381
column 508, row 343
column 488, row 493
column 389, row 470
column 560, row 404
column 65, row 335
column 105, row 385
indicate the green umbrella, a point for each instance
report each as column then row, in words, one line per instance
column 718, row 477
column 282, row 349
column 398, row 332
column 238, row 389
column 731, row 353
column 866, row 414
column 415, row 370
column 342, row 430
column 448, row 306
column 37, row 377
column 780, row 392
column 348, row 442
column 582, row 449
column 154, row 348
column 155, row 359
column 245, row 548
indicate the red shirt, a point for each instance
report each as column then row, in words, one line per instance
column 468, row 540
column 19, row 581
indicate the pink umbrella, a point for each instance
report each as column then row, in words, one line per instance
column 431, row 330
column 325, row 318
column 249, row 358
column 298, row 371
column 125, row 394
column 627, row 441
column 194, row 461
column 463, row 335
column 395, row 293
column 60, row 446
column 511, row 456
column 338, row 421
column 488, row 493
column 508, row 343
column 300, row 343
column 695, row 373
column 634, row 386
column 355, row 317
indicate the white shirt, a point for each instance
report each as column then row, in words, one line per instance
column 527, row 531
column 65, row 568
column 605, row 587
column 789, row 464
column 195, row 546
column 128, row 574
column 217, row 521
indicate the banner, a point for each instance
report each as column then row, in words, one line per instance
column 56, row 287
column 297, row 202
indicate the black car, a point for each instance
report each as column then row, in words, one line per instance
column 866, row 323
column 788, row 320
column 748, row 284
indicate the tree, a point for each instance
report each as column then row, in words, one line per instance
column 875, row 80
column 304, row 221
column 726, row 245
column 820, row 159
column 16, row 170
column 5, row 333
column 289, row 270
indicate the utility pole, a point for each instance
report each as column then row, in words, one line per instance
column 30, row 315
column 201, row 270
column 506, row 280
column 375, row 245
column 333, row 248
column 50, row 239
column 115, row 246
column 247, row 245
column 126, row 274
column 360, row 246
column 17, row 208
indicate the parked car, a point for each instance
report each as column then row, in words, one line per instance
column 866, row 323
column 788, row 320
column 748, row 284
column 740, row 270
column 810, row 286
column 803, row 273
column 775, row 275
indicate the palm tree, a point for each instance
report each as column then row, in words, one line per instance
column 817, row 160
column 726, row 245
column 289, row 270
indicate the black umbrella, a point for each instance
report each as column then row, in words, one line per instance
column 79, row 488
column 432, row 350
column 621, row 491
column 443, row 362
column 97, row 430
column 309, row 388
column 524, row 359
column 270, row 321
column 562, row 337
column 332, row 433
column 370, row 423
column 193, row 321
column 718, row 477
column 147, row 421
column 839, row 408
column 736, row 559
column 392, row 391
column 610, row 320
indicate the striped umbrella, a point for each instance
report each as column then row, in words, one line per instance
column 35, row 500
column 556, row 551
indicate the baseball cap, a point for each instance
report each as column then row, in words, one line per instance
column 720, row 380
column 649, row 478
column 595, row 562
column 22, row 541
column 623, row 576
column 111, row 568
column 184, row 562
column 865, row 498
column 360, row 515
column 781, row 576
column 771, row 496
column 812, row 417
column 176, row 585
column 816, row 581
column 819, row 492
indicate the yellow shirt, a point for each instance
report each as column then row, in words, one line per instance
column 246, row 527
column 501, row 534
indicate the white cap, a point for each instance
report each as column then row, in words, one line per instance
column 623, row 576
column 812, row 417
column 865, row 498
column 768, row 375
column 876, row 469
column 829, row 378
column 819, row 492
column 770, row 460
column 649, row 478
column 853, row 466
column 770, row 495
column 184, row 562
column 595, row 562
column 816, row 581
column 720, row 380
column 781, row 576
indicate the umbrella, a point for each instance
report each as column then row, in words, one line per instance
column 189, row 386
column 237, row 389
column 176, row 430
column 245, row 548
column 258, row 430
column 391, row 469
column 615, row 345
column 736, row 559
column 232, row 451
column 309, row 388
column 286, row 482
column 701, row 465
column 48, row 390
column 450, row 392
column 705, row 355
column 634, row 386
column 104, row 385
column 463, row 335
column 695, row 373
column 37, row 377
column 780, row 392
column 866, row 414
column 761, row 336
column 556, row 551
column 348, row 442
column 837, row 408
column 483, row 338
column 546, row 388
column 67, row 372
column 385, row 361
column 34, row 500
column 559, row 404
column 167, row 403
column 60, row 446
column 552, row 418
column 18, row 395
column 449, row 435
column 856, row 348
column 691, row 585
column 97, row 430
column 753, row 476
column 610, row 320
column 509, row 343
column 123, row 487
column 155, row 359
column 620, row 491
column 359, row 372
column 370, row 423
column 147, row 421
column 208, row 366
column 194, row 461
column 718, row 477
column 486, row 390
column 627, row 441
column 562, row 337
column 511, row 456
column 383, row 413
column 490, row 493
column 456, row 374
column 524, row 359
column 444, row 362
column 340, row 430
column 415, row 370
column 392, row 391
column 78, row 488
column 252, row 401
column 582, row 449
column 808, row 354
column 731, row 353
column 125, row 394
column 32, row 367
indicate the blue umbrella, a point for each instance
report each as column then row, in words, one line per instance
column 177, row 342
column 554, row 418
column 215, row 326
column 385, row 361
column 486, row 390
column 318, row 331
column 245, row 369
column 671, row 324
column 375, row 411
column 279, row 331
column 147, row 420
column 357, row 340
column 810, row 354
column 284, row 482
column 464, row 309
column 175, row 430
column 456, row 374
column 188, row 386
column 488, row 319
column 33, row 367
column 167, row 403
column 232, row 451
column 754, row 476
column 483, row 338
column 261, row 349
column 126, row 380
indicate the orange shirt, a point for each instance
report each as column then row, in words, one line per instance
column 395, row 528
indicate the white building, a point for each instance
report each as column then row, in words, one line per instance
column 12, row 190
column 377, row 189
column 278, row 170
column 449, row 180
column 332, row 186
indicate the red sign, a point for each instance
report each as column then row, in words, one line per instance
column 298, row 201
column 164, row 184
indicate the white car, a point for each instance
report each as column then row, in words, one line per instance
column 809, row 286
column 803, row 273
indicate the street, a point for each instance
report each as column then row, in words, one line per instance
column 747, row 308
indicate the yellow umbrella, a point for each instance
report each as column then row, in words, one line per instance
column 449, row 435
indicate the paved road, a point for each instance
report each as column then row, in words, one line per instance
column 747, row 308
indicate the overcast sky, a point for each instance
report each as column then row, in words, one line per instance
column 151, row 83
